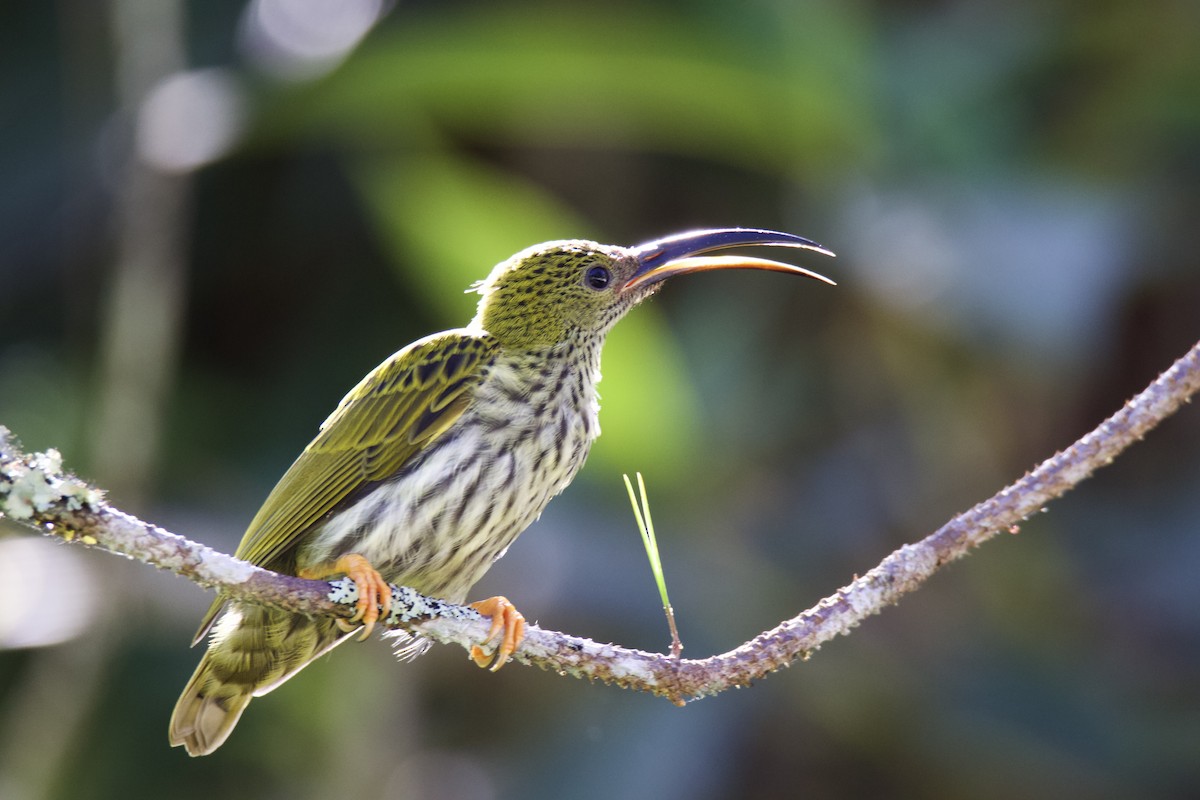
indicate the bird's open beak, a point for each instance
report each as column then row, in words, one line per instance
column 681, row 253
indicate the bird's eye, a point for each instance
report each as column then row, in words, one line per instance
column 597, row 278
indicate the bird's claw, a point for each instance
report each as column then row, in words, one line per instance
column 374, row 593
column 506, row 618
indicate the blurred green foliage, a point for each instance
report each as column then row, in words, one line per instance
column 1012, row 191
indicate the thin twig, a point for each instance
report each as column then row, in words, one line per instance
column 35, row 492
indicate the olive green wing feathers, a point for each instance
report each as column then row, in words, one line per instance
column 395, row 412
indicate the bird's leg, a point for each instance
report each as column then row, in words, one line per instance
column 504, row 616
column 373, row 590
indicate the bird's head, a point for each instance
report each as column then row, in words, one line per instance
column 552, row 292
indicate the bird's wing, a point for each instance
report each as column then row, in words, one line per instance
column 395, row 412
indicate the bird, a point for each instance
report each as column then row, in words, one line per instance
column 431, row 466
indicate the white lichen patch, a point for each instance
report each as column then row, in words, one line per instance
column 33, row 485
column 918, row 561
column 865, row 598
column 622, row 667
column 343, row 592
column 407, row 604
column 37, row 483
column 79, row 495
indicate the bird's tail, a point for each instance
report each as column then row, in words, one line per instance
column 253, row 650
column 207, row 710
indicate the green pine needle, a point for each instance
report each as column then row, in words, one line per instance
column 641, row 513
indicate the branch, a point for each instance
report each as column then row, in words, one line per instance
column 34, row 491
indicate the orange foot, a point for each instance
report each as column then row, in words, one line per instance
column 373, row 590
column 504, row 615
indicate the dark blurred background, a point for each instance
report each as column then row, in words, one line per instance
column 215, row 217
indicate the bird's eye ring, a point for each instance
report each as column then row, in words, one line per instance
column 597, row 278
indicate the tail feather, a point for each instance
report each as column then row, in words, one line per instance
column 252, row 651
column 207, row 711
